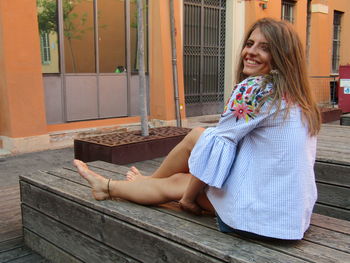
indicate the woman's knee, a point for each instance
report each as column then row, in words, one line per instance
column 193, row 136
column 179, row 179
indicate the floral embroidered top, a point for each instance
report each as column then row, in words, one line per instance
column 258, row 165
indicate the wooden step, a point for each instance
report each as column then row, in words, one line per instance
column 14, row 250
column 65, row 224
column 333, row 185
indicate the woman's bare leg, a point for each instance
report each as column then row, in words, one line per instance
column 176, row 161
column 188, row 200
column 147, row 192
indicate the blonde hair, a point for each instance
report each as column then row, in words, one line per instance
column 288, row 74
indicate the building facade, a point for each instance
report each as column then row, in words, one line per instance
column 89, row 80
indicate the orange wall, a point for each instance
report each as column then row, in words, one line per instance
column 254, row 11
column 321, row 37
column 321, row 40
column 162, row 105
column 343, row 6
column 321, row 44
column 22, row 109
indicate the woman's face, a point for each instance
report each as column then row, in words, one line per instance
column 256, row 55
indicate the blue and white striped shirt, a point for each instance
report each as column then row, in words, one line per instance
column 258, row 165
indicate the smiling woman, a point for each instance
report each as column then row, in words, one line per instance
column 255, row 168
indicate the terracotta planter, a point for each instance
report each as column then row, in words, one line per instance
column 129, row 147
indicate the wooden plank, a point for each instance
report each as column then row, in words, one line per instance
column 332, row 129
column 331, row 223
column 334, row 195
column 159, row 160
column 144, row 166
column 340, row 146
column 13, row 232
column 334, row 150
column 31, row 258
column 331, row 236
column 11, row 243
column 111, row 167
column 4, row 191
column 48, row 250
column 328, row 238
column 15, row 253
column 332, row 174
column 313, row 247
column 336, row 140
column 72, row 175
column 189, row 234
column 82, row 247
column 146, row 248
column 332, row 158
column 332, row 211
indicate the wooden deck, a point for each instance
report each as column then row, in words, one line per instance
column 333, row 147
column 333, row 144
column 64, row 223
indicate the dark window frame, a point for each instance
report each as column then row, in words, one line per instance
column 337, row 16
column 288, row 10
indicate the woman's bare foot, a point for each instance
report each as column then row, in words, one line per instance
column 134, row 174
column 98, row 183
column 190, row 206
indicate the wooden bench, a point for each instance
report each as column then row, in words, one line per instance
column 333, row 185
column 332, row 170
column 62, row 222
column 345, row 119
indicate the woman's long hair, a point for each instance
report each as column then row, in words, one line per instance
column 288, row 74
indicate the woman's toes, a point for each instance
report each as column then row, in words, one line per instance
column 135, row 170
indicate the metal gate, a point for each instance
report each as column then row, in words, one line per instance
column 204, row 56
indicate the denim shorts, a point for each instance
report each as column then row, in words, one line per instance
column 227, row 229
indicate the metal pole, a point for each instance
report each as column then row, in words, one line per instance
column 141, row 59
column 97, row 56
column 62, row 59
column 128, row 56
column 174, row 62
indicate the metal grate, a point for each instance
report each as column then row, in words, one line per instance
column 325, row 90
column 204, row 51
column 288, row 10
column 336, row 41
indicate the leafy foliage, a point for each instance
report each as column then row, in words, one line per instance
column 74, row 23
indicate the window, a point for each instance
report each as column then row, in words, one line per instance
column 47, row 22
column 288, row 10
column 95, row 38
column 45, row 49
column 336, row 41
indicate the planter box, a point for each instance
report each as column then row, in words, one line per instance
column 330, row 114
column 129, row 147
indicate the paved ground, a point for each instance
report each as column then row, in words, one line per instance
column 13, row 166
